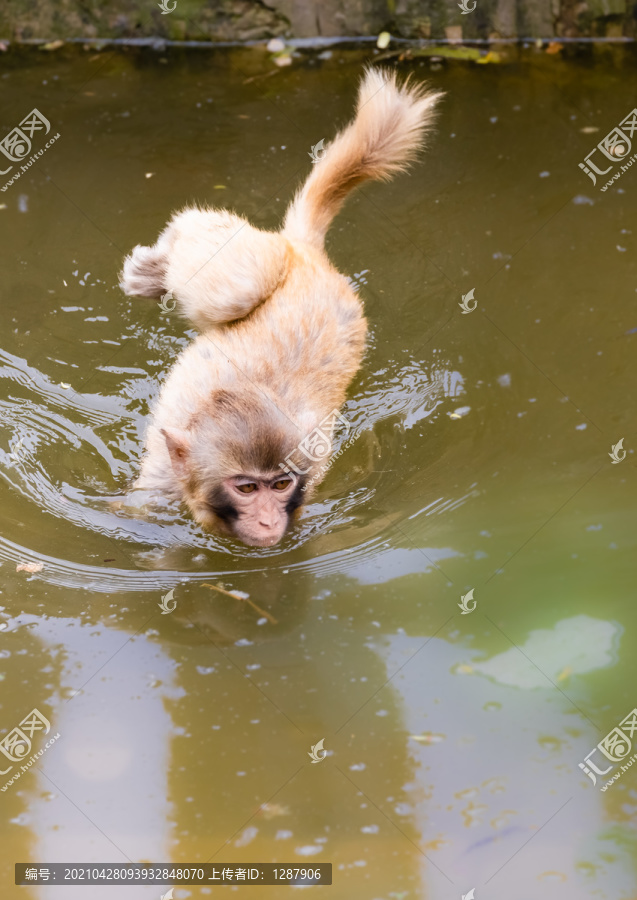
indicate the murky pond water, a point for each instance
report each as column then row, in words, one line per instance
column 482, row 463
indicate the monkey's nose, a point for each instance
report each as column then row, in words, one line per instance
column 268, row 518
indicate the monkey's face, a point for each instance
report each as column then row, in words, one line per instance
column 256, row 509
column 229, row 468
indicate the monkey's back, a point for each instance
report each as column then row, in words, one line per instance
column 314, row 330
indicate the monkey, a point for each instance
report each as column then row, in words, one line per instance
column 282, row 332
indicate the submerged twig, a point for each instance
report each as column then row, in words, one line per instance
column 213, row 587
column 262, row 75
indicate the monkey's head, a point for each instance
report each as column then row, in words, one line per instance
column 227, row 462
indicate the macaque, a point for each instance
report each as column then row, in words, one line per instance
column 282, row 332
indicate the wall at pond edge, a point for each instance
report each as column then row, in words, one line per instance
column 243, row 20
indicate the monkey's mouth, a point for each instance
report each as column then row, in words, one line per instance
column 245, row 535
column 268, row 540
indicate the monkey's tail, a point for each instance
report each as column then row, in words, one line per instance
column 389, row 128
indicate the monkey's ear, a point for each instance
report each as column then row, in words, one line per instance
column 178, row 446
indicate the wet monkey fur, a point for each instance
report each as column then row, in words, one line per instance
column 282, row 332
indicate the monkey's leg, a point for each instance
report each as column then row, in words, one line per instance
column 214, row 263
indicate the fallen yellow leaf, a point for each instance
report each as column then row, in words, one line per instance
column 491, row 57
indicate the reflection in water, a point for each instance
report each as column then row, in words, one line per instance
column 502, row 764
column 110, row 764
column 572, row 647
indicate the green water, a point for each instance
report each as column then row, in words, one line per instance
column 453, row 740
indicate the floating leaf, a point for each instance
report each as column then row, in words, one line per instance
column 460, row 412
column 383, row 40
column 491, row 57
column 428, row 737
column 53, row 45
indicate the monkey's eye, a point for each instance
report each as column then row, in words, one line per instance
column 246, row 488
column 281, row 484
